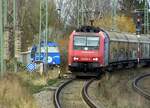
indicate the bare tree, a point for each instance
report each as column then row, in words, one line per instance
column 91, row 9
column 29, row 19
column 128, row 6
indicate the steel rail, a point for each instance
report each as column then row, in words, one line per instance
column 57, row 92
column 138, row 89
column 85, row 95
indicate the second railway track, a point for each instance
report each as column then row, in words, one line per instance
column 74, row 94
column 140, row 90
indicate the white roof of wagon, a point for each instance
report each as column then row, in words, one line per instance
column 129, row 37
column 144, row 38
column 114, row 36
column 132, row 37
column 122, row 37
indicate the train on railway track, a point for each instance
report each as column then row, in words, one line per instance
column 91, row 49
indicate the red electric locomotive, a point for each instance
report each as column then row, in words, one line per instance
column 86, row 50
column 92, row 49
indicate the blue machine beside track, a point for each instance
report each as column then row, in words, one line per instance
column 38, row 54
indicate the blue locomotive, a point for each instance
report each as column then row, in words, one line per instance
column 38, row 54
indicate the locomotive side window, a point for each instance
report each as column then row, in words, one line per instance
column 86, row 42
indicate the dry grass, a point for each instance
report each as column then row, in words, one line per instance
column 37, row 82
column 117, row 92
column 16, row 90
column 13, row 93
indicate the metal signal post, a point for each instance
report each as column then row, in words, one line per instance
column 138, row 24
column 85, row 12
column 46, row 34
column 1, row 41
column 14, row 29
column 3, row 24
column 146, row 18
column 43, row 28
column 79, row 13
column 114, row 13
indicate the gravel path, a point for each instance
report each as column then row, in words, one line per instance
column 44, row 99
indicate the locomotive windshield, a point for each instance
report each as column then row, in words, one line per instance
column 86, row 43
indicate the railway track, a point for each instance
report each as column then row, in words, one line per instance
column 138, row 89
column 86, row 97
column 57, row 93
column 80, row 88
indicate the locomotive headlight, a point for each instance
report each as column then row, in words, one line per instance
column 95, row 59
column 75, row 58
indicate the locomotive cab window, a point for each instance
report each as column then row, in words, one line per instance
column 86, row 43
column 79, row 41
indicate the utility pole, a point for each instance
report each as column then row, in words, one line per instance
column 17, row 34
column 40, row 30
column 10, row 33
column 5, row 12
column 14, row 31
column 82, row 13
column 85, row 13
column 1, row 40
column 78, row 14
column 5, row 29
column 114, row 14
column 44, row 28
column 46, row 34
